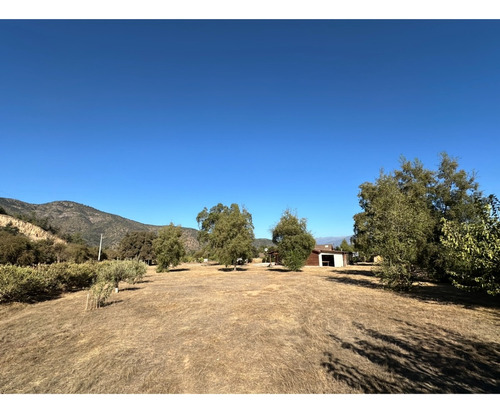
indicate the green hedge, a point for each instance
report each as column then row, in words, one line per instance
column 27, row 284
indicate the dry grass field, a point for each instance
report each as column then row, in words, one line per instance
column 201, row 329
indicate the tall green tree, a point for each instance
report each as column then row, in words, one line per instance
column 402, row 216
column 226, row 233
column 394, row 227
column 293, row 241
column 169, row 247
column 345, row 246
column 137, row 245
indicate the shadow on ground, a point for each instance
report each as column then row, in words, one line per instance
column 282, row 270
column 232, row 269
column 426, row 359
column 442, row 293
column 361, row 282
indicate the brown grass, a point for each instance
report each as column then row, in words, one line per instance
column 258, row 330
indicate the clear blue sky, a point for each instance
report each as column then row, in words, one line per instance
column 154, row 120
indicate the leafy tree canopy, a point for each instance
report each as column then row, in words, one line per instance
column 137, row 245
column 293, row 241
column 168, row 247
column 226, row 233
column 402, row 217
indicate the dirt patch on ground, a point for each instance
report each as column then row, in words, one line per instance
column 262, row 330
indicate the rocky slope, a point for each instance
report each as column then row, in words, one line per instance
column 33, row 232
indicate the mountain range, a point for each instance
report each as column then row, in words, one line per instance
column 336, row 241
column 74, row 218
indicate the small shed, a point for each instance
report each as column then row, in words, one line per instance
column 326, row 256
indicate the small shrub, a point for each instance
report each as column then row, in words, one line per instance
column 109, row 276
column 129, row 271
column 98, row 294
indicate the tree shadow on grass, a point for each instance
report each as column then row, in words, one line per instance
column 422, row 359
column 39, row 298
column 232, row 269
column 178, row 269
column 110, row 302
column 129, row 289
column 441, row 293
column 366, row 273
column 355, row 281
column 282, row 270
column 448, row 294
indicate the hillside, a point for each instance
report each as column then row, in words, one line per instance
column 72, row 217
column 33, row 232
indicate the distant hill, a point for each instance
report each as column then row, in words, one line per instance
column 259, row 242
column 72, row 217
column 336, row 241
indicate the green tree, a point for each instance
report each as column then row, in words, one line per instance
column 226, row 233
column 78, row 253
column 168, row 247
column 345, row 246
column 474, row 249
column 137, row 245
column 293, row 241
column 395, row 226
column 402, row 217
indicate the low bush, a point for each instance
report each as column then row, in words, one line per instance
column 109, row 276
column 26, row 284
column 21, row 284
column 98, row 294
column 69, row 276
column 129, row 271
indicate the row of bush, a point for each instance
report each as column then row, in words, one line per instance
column 26, row 284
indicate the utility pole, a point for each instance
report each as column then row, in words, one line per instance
column 100, row 247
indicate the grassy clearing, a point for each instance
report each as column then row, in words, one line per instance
column 199, row 329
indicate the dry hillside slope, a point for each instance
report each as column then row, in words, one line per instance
column 33, row 232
